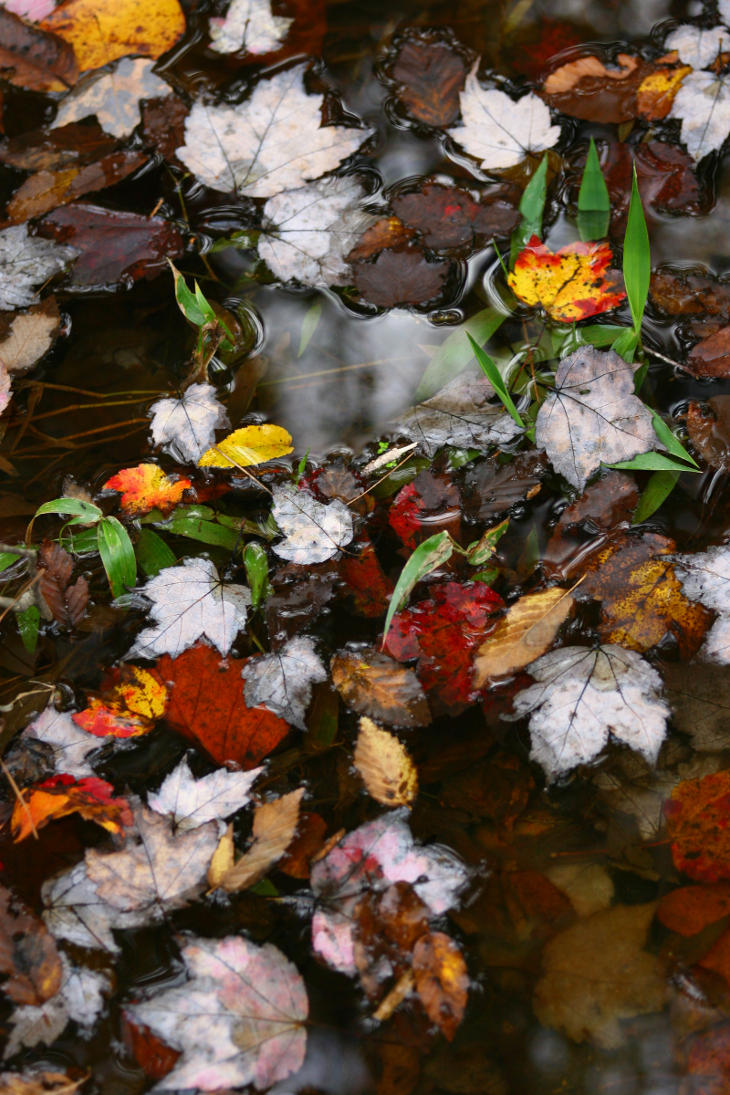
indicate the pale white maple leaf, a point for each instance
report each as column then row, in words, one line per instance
column 462, row 414
column 27, row 261
column 369, row 859
column 75, row 912
column 114, row 96
column 70, row 744
column 702, row 105
column 705, row 577
column 592, row 416
column 314, row 531
column 584, row 697
column 186, row 426
column 80, row 998
column 696, row 46
column 499, row 131
column 238, row 1020
column 191, row 802
column 307, row 233
column 189, row 603
column 249, row 25
column 283, row 681
column 272, row 141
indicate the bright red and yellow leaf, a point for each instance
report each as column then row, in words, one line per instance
column 698, row 823
column 130, row 707
column 62, row 795
column 145, row 488
column 570, row 284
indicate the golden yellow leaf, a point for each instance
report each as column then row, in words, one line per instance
column 385, row 765
column 572, row 283
column 247, row 446
column 526, row 632
column 222, row 860
column 657, row 90
column 274, row 827
column 100, row 31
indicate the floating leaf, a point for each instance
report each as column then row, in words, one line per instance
column 702, row 105
column 274, row 828
column 114, row 96
column 191, row 802
column 33, row 58
column 441, row 980
column 527, row 630
column 67, row 601
column 313, row 531
column 448, row 217
column 74, row 911
column 129, row 707
column 430, row 74
column 375, row 685
column 145, row 488
column 100, row 31
column 27, row 261
column 79, row 999
column 463, row 414
column 572, row 283
column 249, row 25
column 400, row 277
column 70, row 745
column 62, row 795
column 389, row 774
column 248, row 446
column 282, row 681
column 25, row 338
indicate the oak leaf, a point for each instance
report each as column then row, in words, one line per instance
column 572, row 283
column 375, row 685
column 275, row 825
column 100, row 31
column 385, row 766
column 441, row 980
column 526, row 631
column 147, row 487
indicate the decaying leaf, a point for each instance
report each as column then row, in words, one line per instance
column 464, row 414
column 62, row 795
column 186, row 426
column 696, row 816
column 70, row 745
column 448, row 217
column 248, row 446
column 271, row 142
column 274, row 828
column 572, row 283
column 403, row 276
column 25, row 262
column 708, row 427
column 374, row 685
column 282, row 681
column 705, row 577
column 130, row 706
column 592, row 416
column 582, row 697
column 188, row 603
column 47, row 190
column 238, row 1020
column 66, row 600
column 35, row 1081
column 74, row 911
column 249, row 25
column 709, row 358
column 114, row 96
column 26, row 337
column 191, row 802
column 80, row 998
column 29, row 960
column 145, row 488
column 33, row 58
column 527, row 630
column 431, row 74
column 498, row 131
column 313, row 531
column 389, row 774
column 596, row 973
column 100, row 31
column 442, row 981
column 702, row 104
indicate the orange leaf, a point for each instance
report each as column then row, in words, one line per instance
column 100, row 31
column 572, row 283
column 129, row 708
column 697, row 821
column 691, row 909
column 146, row 487
column 62, row 795
column 207, row 706
column 442, row 981
column 657, row 90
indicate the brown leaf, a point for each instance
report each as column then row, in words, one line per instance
column 274, row 828
column 163, row 125
column 586, row 88
column 307, row 844
column 491, row 490
column 431, row 74
column 711, row 357
column 373, row 684
column 689, row 293
column 39, row 1082
column 33, row 58
column 67, row 603
column 442, row 981
column 708, row 426
column 386, row 768
column 605, row 505
column 43, row 150
column 387, row 232
column 48, row 190
column 28, row 955
column 26, row 336
column 523, row 634
column 400, row 277
column 448, row 217
column 666, row 177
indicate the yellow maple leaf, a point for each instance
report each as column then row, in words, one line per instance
column 100, row 31
column 247, row 446
column 572, row 283
column 146, row 487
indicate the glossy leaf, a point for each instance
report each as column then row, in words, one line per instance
column 637, row 257
column 426, row 557
column 594, row 204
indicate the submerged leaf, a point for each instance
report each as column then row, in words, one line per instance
column 27, row 261
column 441, row 980
column 464, row 414
column 696, row 816
column 29, row 962
column 187, row 425
column 79, row 999
column 313, row 531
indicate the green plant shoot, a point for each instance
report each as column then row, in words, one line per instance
column 594, row 203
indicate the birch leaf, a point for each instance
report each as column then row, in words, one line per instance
column 705, row 577
column 307, row 233
column 385, row 766
column 283, row 681
column 237, row 1021
column 498, row 131
column 592, row 416
column 313, row 531
column 114, row 96
column 191, row 802
column 27, row 261
column 186, row 426
column 273, row 141
column 275, row 825
column 702, row 105
column 584, row 697
column 249, row 25
column 188, row 603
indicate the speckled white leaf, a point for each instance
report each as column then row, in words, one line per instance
column 80, row 997
column 273, row 141
column 499, row 131
column 696, row 46
column 582, row 697
column 114, row 96
column 249, row 25
column 705, row 577
column 592, row 416
column 186, row 426
column 283, row 681
column 71, row 745
column 307, row 233
column 192, row 802
column 75, row 912
column 702, row 104
column 462, row 414
column 314, row 531
column 238, row 1020
column 189, row 603
column 25, row 262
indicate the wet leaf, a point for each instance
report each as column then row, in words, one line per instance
column 389, row 774
column 307, row 844
column 238, row 1020
column 145, row 488
column 711, row 357
column 656, row 92
column 526, row 631
column 313, row 532
column 374, row 685
column 586, row 88
column 80, row 999
column 428, row 502
column 37, row 1081
column 696, row 817
column 385, row 233
column 32, row 58
column 100, row 31
column 29, row 960
column 442, row 981
column 30, row 10
column 191, row 802
column 25, row 262
column 188, row 603
column 698, row 46
column 448, row 217
column 592, row 417
column 498, row 131
column 186, row 426
column 250, row 26
column 584, row 697
column 74, row 911
column 666, row 177
column 275, row 825
column 67, row 601
column 308, row 233
column 26, row 337
column 70, row 745
column 431, row 74
column 572, row 283
column 248, row 446
column 62, row 795
column 366, row 582
column 207, row 706
column 705, row 577
column 400, row 277
column 702, row 105
column 129, row 706
column 271, row 142
column 596, row 973
column 282, row 681
column 113, row 96
column 709, row 430
column 690, row 909
column 464, row 414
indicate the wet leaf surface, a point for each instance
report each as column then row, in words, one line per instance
column 374, row 685
column 430, row 74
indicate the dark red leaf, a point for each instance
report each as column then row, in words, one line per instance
column 163, row 125
column 711, row 357
column 426, row 506
column 431, row 73
column 75, row 143
column 66, row 602
column 666, row 177
column 33, row 58
column 366, row 583
column 401, row 277
column 448, row 217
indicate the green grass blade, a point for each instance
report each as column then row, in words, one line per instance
column 153, row 554
column 427, row 557
column 493, row 374
column 594, row 204
column 453, row 355
column 637, row 257
column 670, row 442
column 117, row 555
column 657, row 490
column 532, row 207
column 653, row 461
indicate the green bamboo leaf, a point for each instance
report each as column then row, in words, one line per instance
column 671, row 443
column 117, row 555
column 454, row 354
column 187, row 301
column 637, row 257
column 594, row 204
column 532, row 207
column 427, row 557
column 71, row 507
column 657, row 490
column 256, row 563
column 153, row 554
column 493, row 374
column 653, row 461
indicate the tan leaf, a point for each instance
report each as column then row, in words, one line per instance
column 274, row 828
column 442, row 981
column 29, row 962
column 526, row 632
column 39, row 1082
column 386, row 768
column 568, row 75
column 222, row 860
column 373, row 684
column 28, row 335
